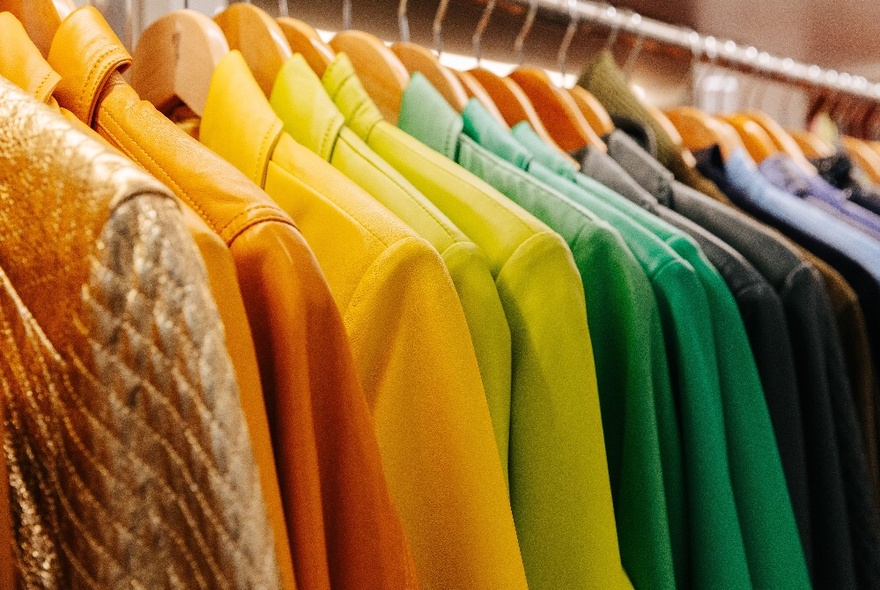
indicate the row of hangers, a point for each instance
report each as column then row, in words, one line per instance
column 176, row 56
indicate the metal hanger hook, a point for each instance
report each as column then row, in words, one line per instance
column 573, row 22
column 403, row 21
column 614, row 24
column 346, row 15
column 636, row 21
column 437, row 27
column 477, row 39
column 519, row 43
column 282, row 8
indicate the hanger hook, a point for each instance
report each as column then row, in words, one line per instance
column 696, row 57
column 346, row 15
column 709, row 70
column 437, row 27
column 282, row 8
column 477, row 39
column 519, row 44
column 403, row 21
column 636, row 21
column 573, row 22
column 614, row 23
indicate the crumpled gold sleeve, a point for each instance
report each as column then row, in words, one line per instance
column 130, row 463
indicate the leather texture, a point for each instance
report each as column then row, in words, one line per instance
column 770, row 535
column 612, row 278
column 410, row 341
column 311, row 117
column 559, row 471
column 343, row 529
column 129, row 456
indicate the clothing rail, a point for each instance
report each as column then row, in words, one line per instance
column 722, row 51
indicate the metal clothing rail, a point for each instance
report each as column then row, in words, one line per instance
column 722, row 51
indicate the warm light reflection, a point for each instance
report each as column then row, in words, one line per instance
column 466, row 62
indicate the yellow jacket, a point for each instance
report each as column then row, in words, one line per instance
column 410, row 341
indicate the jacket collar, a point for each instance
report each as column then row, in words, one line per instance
column 308, row 113
column 426, row 115
column 482, row 128
column 22, row 63
column 548, row 156
column 238, row 122
column 348, row 94
column 85, row 52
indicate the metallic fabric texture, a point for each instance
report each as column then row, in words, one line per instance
column 130, row 464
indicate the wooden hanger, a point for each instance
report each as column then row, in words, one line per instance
column 757, row 142
column 781, row 139
column 592, row 110
column 699, row 131
column 40, row 18
column 252, row 31
column 383, row 76
column 475, row 90
column 557, row 110
column 511, row 101
column 303, row 39
column 420, row 59
column 811, row 144
column 175, row 58
column 863, row 156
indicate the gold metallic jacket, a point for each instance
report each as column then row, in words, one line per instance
column 127, row 450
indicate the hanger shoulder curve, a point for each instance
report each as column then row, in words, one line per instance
column 304, row 39
column 759, row 145
column 592, row 110
column 258, row 37
column 557, row 110
column 811, row 144
column 698, row 130
column 475, row 90
column 783, row 141
column 40, row 18
column 380, row 71
column 175, row 58
column 863, row 156
column 421, row 59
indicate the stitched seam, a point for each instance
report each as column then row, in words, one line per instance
column 406, row 191
column 233, row 234
column 44, row 81
column 178, row 189
column 90, row 87
column 263, row 156
column 328, row 136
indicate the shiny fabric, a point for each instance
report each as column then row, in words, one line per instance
column 311, row 118
column 410, row 341
column 129, row 457
column 344, row 530
column 858, row 258
column 559, row 474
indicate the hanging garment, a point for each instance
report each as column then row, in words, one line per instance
column 768, row 529
column 562, row 483
column 409, row 337
column 338, row 511
column 784, row 173
column 858, row 258
column 311, row 118
column 437, row 178
column 129, row 458
column 612, row 279
column 760, row 307
column 607, row 82
column 838, row 170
